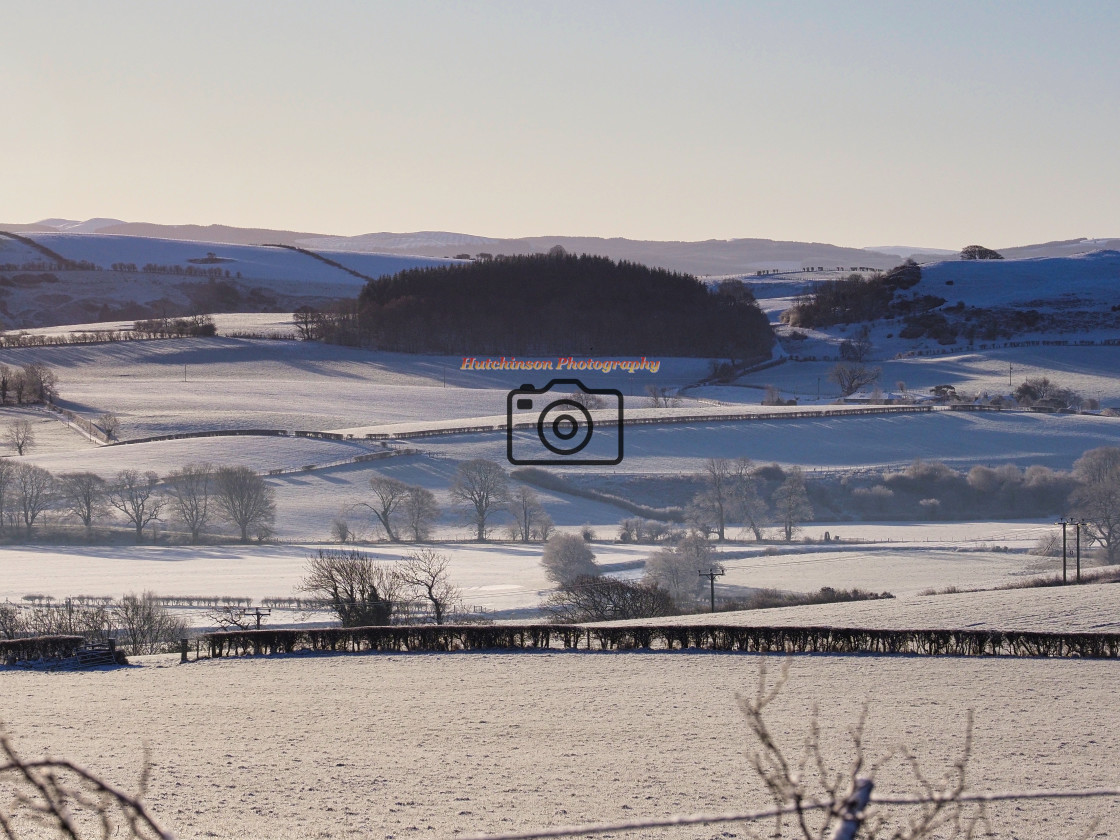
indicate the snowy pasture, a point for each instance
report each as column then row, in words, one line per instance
column 438, row 745
column 252, row 262
column 1089, row 608
column 161, row 387
column 1088, row 370
column 508, row 576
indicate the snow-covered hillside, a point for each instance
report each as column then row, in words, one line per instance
column 249, row 261
column 1087, row 281
column 85, row 277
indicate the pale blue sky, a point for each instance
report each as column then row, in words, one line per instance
column 859, row 123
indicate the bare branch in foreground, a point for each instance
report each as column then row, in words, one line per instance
column 57, row 793
column 829, row 804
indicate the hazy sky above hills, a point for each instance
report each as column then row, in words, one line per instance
column 922, row 123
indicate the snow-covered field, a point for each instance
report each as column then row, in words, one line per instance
column 1089, row 608
column 1090, row 371
column 438, row 745
column 252, row 262
column 508, row 576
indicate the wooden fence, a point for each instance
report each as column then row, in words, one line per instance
column 680, row 418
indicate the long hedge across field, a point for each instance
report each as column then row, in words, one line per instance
column 447, row 638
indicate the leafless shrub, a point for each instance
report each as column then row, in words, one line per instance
column 359, row 591
column 148, row 626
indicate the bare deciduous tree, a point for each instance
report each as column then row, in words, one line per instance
column 566, row 557
column 134, row 494
column 244, row 499
column 662, row 397
column 419, row 511
column 1096, row 499
column 110, row 424
column 425, row 571
column 857, row 349
column 360, row 591
column 791, row 503
column 341, row 531
column 7, row 491
column 40, row 382
column 82, row 494
column 480, row 488
column 713, row 505
column 526, row 510
column 20, row 435
column 851, row 376
column 749, row 506
column 189, row 492
column 307, row 321
column 389, row 495
column 34, row 493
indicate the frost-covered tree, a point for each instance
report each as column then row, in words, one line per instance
column 677, row 569
column 567, row 557
column 791, row 503
column 1096, row 499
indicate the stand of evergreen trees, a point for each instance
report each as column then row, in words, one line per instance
column 548, row 304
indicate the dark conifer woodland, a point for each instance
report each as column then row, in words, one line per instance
column 557, row 303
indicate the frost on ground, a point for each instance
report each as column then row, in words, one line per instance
column 1090, row 608
column 433, row 745
column 508, row 576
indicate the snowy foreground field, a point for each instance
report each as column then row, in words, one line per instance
column 431, row 745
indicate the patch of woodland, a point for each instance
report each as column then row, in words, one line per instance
column 556, row 303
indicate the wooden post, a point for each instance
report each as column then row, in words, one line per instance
column 1078, row 529
column 1065, row 553
column 183, row 651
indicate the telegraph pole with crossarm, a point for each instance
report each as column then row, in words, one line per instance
column 711, row 575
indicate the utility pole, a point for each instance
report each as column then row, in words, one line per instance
column 1009, row 374
column 258, row 613
column 1064, row 522
column 1078, row 525
column 711, row 575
